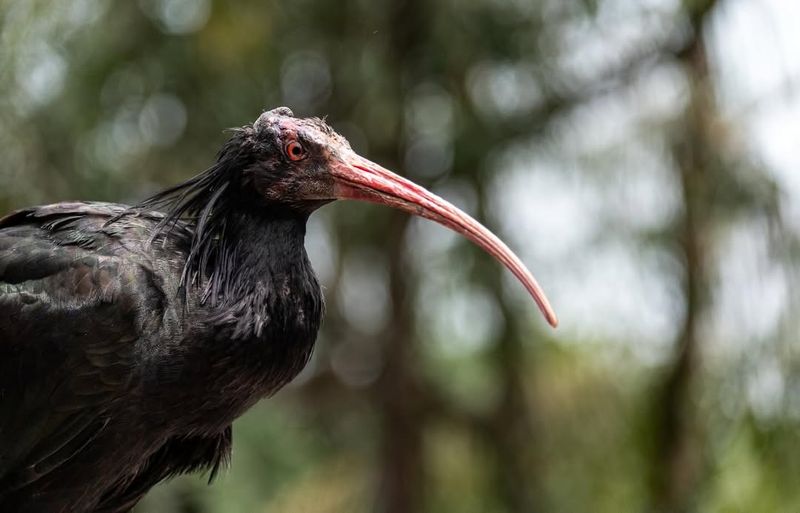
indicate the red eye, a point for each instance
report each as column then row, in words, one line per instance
column 295, row 151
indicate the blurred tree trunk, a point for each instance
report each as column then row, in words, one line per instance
column 679, row 458
column 510, row 430
column 400, row 395
column 512, row 427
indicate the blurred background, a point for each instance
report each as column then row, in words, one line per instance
column 642, row 156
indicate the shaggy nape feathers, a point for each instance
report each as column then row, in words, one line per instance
column 204, row 205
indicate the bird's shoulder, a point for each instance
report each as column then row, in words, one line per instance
column 89, row 224
column 84, row 245
column 79, row 297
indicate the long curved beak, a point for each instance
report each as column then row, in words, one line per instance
column 357, row 178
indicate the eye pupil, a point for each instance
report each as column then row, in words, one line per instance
column 295, row 150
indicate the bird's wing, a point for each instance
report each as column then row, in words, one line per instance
column 178, row 456
column 70, row 301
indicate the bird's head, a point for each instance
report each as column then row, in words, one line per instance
column 304, row 163
column 299, row 164
column 291, row 159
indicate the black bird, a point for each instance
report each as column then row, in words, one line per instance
column 132, row 337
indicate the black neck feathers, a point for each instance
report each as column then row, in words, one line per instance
column 262, row 276
column 236, row 236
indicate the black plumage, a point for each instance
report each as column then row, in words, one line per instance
column 132, row 337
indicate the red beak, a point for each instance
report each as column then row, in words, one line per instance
column 359, row 179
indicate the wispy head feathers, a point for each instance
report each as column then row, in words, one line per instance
column 205, row 202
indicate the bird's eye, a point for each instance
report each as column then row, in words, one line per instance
column 295, row 151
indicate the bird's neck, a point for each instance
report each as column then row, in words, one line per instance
column 264, row 248
column 261, row 283
column 259, row 329
column 253, row 250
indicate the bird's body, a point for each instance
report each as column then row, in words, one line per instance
column 110, row 375
column 132, row 337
